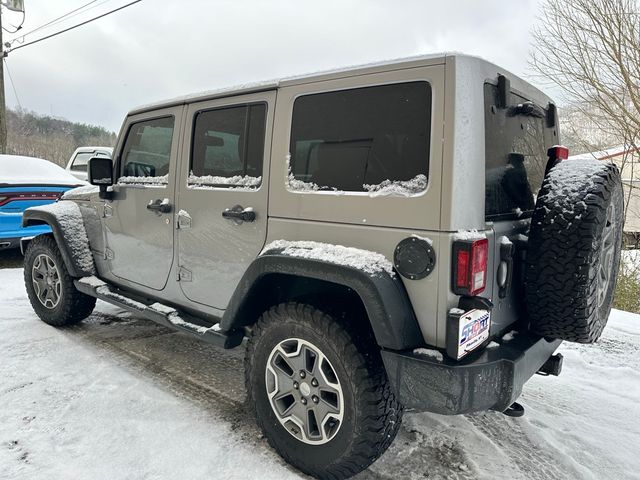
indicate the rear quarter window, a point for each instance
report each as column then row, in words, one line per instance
column 515, row 156
column 362, row 140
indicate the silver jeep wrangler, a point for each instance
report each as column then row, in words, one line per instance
column 401, row 235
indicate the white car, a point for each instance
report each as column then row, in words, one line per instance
column 77, row 165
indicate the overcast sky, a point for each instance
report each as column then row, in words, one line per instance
column 159, row 49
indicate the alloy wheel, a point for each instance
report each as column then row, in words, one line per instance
column 304, row 391
column 46, row 281
column 607, row 253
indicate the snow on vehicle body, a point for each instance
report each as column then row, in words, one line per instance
column 381, row 212
column 27, row 182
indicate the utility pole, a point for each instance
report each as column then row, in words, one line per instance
column 3, row 105
column 14, row 6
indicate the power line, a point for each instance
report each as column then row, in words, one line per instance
column 13, row 85
column 58, row 20
column 55, row 20
column 6, row 52
column 72, row 14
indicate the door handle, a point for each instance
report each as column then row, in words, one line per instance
column 159, row 205
column 239, row 214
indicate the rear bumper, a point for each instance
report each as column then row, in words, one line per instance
column 490, row 380
column 7, row 243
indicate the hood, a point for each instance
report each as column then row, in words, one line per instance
column 18, row 170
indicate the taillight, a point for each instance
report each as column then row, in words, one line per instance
column 558, row 152
column 18, row 196
column 470, row 266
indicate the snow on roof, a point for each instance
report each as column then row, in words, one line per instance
column 19, row 170
column 90, row 148
column 296, row 79
column 606, row 154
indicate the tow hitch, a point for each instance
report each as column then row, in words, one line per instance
column 553, row 366
column 514, row 410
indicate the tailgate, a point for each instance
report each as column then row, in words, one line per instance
column 506, row 273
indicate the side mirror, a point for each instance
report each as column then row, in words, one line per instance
column 100, row 172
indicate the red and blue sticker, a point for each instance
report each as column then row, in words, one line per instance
column 473, row 330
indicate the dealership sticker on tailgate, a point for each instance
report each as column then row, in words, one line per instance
column 473, row 330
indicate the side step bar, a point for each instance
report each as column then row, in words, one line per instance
column 159, row 313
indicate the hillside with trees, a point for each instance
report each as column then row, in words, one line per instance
column 54, row 139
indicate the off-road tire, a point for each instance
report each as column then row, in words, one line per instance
column 578, row 202
column 73, row 306
column 372, row 414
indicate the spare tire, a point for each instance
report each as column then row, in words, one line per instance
column 573, row 253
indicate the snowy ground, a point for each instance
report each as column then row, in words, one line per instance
column 122, row 398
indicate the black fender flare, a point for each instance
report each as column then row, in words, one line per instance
column 78, row 264
column 383, row 295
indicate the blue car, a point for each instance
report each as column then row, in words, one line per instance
column 27, row 182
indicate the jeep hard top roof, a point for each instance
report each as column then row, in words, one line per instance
column 350, row 71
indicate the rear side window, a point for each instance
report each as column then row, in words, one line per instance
column 515, row 154
column 147, row 151
column 228, row 146
column 80, row 162
column 82, row 159
column 373, row 139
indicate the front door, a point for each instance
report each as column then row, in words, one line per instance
column 222, row 218
column 139, row 221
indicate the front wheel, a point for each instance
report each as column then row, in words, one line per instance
column 320, row 393
column 49, row 286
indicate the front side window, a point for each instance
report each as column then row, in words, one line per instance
column 147, row 151
column 228, row 147
column 373, row 139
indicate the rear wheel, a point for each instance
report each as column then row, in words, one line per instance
column 320, row 395
column 49, row 286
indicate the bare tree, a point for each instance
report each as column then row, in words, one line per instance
column 590, row 50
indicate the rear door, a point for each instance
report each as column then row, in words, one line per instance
column 139, row 236
column 222, row 217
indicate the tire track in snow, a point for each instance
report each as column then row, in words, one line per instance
column 213, row 378
column 416, row 455
column 202, row 373
column 508, row 435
